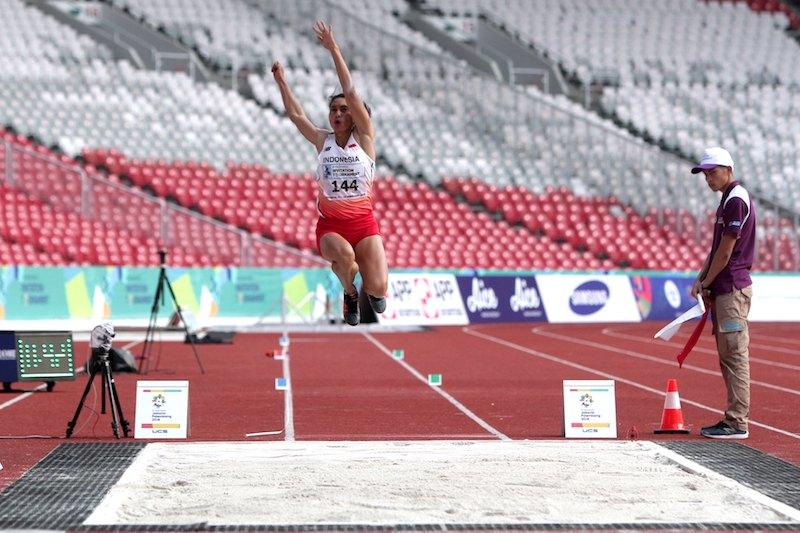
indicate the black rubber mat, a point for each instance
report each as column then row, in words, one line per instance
column 66, row 486
column 767, row 474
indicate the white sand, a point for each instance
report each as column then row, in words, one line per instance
column 430, row 482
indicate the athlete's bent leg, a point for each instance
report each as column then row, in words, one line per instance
column 338, row 251
column 371, row 259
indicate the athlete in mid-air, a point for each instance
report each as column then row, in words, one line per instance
column 347, row 232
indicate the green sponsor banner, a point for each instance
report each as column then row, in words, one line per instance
column 130, row 292
column 99, row 293
column 31, row 293
column 250, row 292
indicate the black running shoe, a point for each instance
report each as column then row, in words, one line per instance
column 722, row 430
column 378, row 304
column 350, row 309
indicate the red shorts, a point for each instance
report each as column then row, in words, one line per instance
column 353, row 230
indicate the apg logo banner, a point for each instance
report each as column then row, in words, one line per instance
column 501, row 298
column 423, row 299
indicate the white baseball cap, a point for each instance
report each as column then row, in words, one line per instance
column 713, row 157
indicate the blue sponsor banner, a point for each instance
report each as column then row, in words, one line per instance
column 501, row 298
column 662, row 297
column 8, row 357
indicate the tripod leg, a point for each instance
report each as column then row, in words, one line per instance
column 117, row 406
column 71, row 423
column 108, row 382
column 102, row 400
column 144, row 358
column 185, row 329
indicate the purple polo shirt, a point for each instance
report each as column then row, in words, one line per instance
column 736, row 215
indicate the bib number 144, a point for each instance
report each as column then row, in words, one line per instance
column 344, row 185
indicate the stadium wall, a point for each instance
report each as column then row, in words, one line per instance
column 78, row 297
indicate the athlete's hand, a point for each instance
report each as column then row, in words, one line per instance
column 325, row 35
column 277, row 71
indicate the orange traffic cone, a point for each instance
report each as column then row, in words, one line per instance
column 672, row 419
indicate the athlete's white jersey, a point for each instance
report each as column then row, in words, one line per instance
column 344, row 177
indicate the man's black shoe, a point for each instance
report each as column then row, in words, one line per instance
column 722, row 430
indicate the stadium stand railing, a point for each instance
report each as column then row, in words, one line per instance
column 132, row 225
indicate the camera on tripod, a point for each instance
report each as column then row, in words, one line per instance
column 99, row 363
column 100, row 343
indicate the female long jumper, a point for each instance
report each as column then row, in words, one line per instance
column 347, row 232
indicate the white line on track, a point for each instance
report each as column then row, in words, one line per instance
column 28, row 394
column 458, row 405
column 566, row 362
column 771, row 347
column 22, row 396
column 611, row 333
column 653, row 359
column 775, row 338
column 288, row 408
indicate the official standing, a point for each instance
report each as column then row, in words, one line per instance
column 725, row 284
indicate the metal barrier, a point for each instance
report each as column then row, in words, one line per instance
column 155, row 216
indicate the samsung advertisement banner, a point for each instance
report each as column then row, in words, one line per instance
column 501, row 299
column 587, row 298
column 662, row 298
column 423, row 299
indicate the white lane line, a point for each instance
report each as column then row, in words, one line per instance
column 566, row 362
column 773, row 348
column 43, row 386
column 400, row 437
column 653, row 359
column 458, row 405
column 768, row 347
column 22, row 396
column 288, row 409
column 611, row 333
column 775, row 338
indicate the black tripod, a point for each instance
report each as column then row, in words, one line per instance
column 158, row 301
column 99, row 362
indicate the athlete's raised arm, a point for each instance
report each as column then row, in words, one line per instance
column 294, row 110
column 358, row 110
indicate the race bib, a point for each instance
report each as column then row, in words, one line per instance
column 340, row 182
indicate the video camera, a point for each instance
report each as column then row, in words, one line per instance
column 100, row 343
column 101, row 336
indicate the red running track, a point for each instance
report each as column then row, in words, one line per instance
column 499, row 381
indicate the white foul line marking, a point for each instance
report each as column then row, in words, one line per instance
column 458, row 405
column 559, row 360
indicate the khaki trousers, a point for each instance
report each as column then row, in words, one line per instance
column 733, row 343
